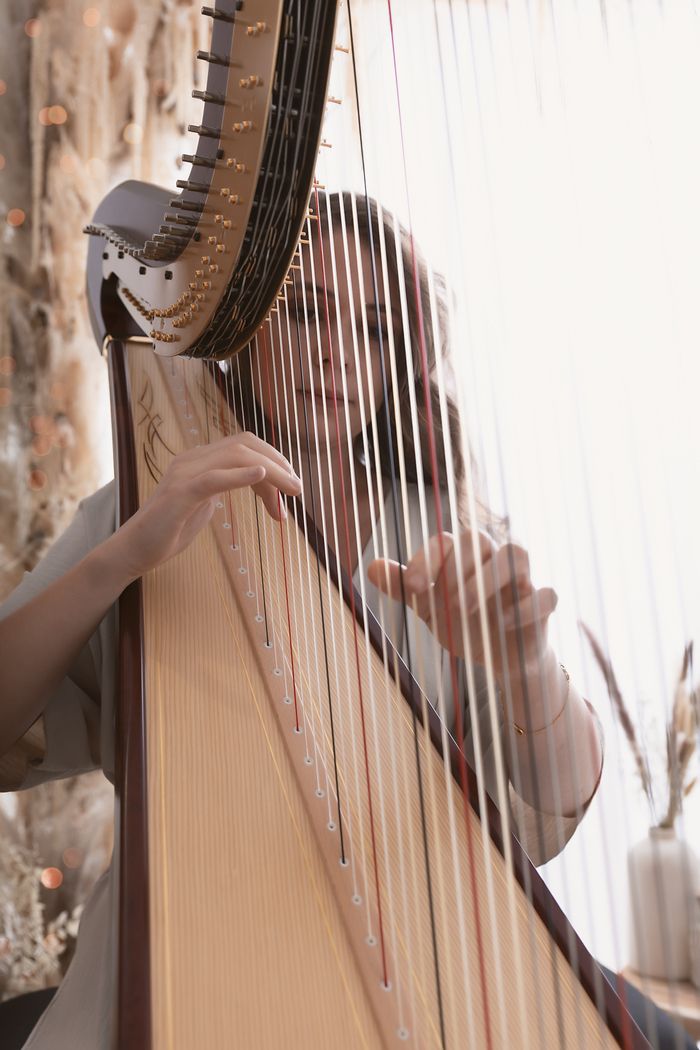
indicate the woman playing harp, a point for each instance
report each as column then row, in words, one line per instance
column 70, row 689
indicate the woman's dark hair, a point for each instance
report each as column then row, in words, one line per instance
column 427, row 338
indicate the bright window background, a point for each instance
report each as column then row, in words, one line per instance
column 562, row 206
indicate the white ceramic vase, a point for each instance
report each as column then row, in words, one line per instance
column 664, row 879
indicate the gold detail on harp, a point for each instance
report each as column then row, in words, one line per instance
column 199, row 296
column 162, row 337
column 199, row 273
column 240, row 168
column 235, row 198
column 227, row 224
column 211, row 239
column 206, row 284
column 250, row 82
column 193, row 286
column 218, row 218
column 257, row 29
column 206, row 259
column 214, row 268
column 220, row 248
column 242, row 125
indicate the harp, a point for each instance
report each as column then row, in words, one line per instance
column 305, row 855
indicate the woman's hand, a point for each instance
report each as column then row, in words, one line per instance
column 514, row 607
column 185, row 497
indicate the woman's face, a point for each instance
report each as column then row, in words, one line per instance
column 323, row 350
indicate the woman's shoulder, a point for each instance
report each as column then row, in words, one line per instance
column 94, row 521
column 100, row 513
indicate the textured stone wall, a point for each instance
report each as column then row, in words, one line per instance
column 94, row 91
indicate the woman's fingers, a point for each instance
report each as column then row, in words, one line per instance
column 386, row 576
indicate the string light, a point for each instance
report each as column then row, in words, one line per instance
column 51, row 878
column 49, row 115
column 133, row 134
column 57, row 115
column 32, row 27
column 15, row 217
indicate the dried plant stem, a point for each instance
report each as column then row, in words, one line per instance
column 622, row 713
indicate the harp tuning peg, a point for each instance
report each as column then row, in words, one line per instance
column 209, row 96
column 203, row 131
column 193, row 158
column 221, row 16
column 214, row 60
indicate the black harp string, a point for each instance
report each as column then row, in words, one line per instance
column 312, row 489
column 531, row 758
column 377, row 523
column 371, row 799
column 384, row 603
column 469, row 481
column 400, row 554
column 315, row 711
column 349, row 675
column 286, row 358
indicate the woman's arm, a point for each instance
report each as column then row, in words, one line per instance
column 553, row 748
column 40, row 640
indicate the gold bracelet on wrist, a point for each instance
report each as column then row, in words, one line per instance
column 522, row 731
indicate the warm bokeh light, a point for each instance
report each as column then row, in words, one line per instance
column 133, row 134
column 15, row 217
column 96, row 168
column 57, row 115
column 72, row 857
column 7, row 365
column 32, row 27
column 41, row 445
column 44, row 117
column 41, row 424
column 91, row 17
column 37, row 480
column 5, row 396
column 67, row 163
column 51, row 878
column 3, row 87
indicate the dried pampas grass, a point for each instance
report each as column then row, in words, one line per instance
column 681, row 733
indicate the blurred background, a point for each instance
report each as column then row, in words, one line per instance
column 553, row 166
